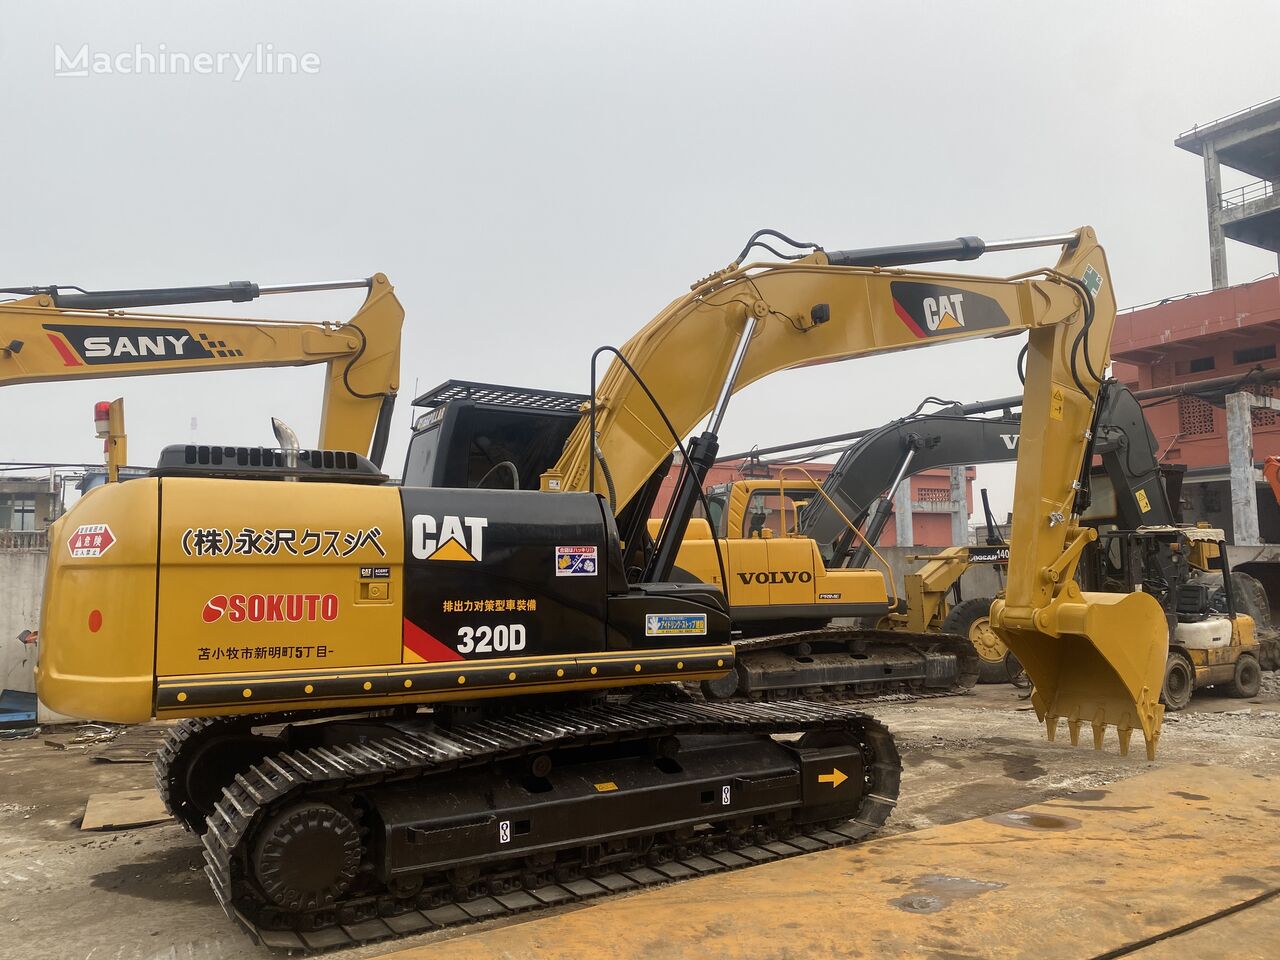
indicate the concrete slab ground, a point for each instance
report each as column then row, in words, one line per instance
column 139, row 894
column 1088, row 874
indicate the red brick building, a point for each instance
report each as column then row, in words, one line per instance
column 1222, row 333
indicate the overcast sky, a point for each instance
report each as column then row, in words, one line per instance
column 540, row 178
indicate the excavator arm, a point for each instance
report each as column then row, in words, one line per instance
column 868, row 474
column 812, row 311
column 55, row 335
column 1095, row 658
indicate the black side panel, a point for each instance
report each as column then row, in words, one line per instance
column 663, row 615
column 526, row 562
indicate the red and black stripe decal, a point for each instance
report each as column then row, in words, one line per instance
column 64, row 351
column 426, row 646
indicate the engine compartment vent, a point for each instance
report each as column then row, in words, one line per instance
column 266, row 463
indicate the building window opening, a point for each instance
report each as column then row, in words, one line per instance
column 1195, row 365
column 22, row 513
column 1254, row 354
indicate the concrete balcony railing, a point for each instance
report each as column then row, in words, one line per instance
column 24, row 540
column 1249, row 193
column 932, row 506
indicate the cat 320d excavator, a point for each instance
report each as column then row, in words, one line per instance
column 408, row 707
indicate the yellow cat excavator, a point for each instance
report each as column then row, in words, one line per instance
column 65, row 333
column 407, row 707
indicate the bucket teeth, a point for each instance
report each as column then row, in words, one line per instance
column 1125, row 733
column 1124, row 730
column 1099, row 728
column 1073, row 724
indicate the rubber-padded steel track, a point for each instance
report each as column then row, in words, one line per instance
column 417, row 748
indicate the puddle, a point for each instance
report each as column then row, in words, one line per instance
column 935, row 892
column 1033, row 821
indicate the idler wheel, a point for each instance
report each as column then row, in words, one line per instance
column 306, row 856
column 722, row 688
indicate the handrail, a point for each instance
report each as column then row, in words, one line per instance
column 1187, row 296
column 1258, row 190
column 1230, row 116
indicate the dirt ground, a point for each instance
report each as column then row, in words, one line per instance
column 140, row 894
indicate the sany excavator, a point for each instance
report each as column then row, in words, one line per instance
column 65, row 333
column 407, row 707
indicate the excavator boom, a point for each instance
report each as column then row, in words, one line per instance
column 808, row 312
column 55, row 335
column 1095, row 658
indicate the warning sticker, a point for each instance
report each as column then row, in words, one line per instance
column 1093, row 280
column 1144, row 503
column 577, row 561
column 675, row 624
column 91, row 540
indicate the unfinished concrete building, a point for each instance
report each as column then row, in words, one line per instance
column 1249, row 141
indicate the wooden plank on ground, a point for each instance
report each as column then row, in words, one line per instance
column 123, row 809
column 1078, row 876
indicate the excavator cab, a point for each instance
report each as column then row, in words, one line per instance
column 485, row 435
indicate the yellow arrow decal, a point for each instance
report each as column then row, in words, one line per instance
column 835, row 777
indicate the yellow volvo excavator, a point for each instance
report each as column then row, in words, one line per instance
column 65, row 333
column 407, row 707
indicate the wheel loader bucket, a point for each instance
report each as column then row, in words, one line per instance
column 1093, row 658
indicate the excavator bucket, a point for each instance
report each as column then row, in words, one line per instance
column 1095, row 659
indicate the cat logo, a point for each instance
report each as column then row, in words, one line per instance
column 450, row 538
column 937, row 310
column 944, row 312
